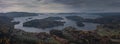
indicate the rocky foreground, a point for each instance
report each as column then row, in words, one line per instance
column 69, row 35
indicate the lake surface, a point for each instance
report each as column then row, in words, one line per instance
column 88, row 26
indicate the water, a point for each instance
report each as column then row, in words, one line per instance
column 88, row 26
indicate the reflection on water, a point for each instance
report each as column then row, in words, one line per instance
column 88, row 26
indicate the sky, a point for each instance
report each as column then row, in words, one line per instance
column 59, row 6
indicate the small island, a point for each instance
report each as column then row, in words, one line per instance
column 54, row 18
column 43, row 23
column 77, row 19
column 80, row 24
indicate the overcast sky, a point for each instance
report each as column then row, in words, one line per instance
column 48, row 6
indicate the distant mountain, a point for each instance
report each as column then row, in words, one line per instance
column 106, row 14
column 18, row 14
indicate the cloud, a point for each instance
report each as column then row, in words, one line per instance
column 60, row 5
column 31, row 6
column 92, row 5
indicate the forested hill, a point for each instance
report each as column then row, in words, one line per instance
column 18, row 14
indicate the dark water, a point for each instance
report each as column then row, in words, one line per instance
column 88, row 26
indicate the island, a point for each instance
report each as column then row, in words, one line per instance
column 105, row 19
column 77, row 19
column 80, row 24
column 54, row 18
column 43, row 23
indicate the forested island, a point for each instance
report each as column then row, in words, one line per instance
column 77, row 19
column 44, row 23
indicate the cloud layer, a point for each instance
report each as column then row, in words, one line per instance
column 43, row 6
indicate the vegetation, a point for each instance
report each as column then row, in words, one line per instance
column 18, row 14
column 108, row 32
column 43, row 23
column 54, row 18
column 77, row 19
